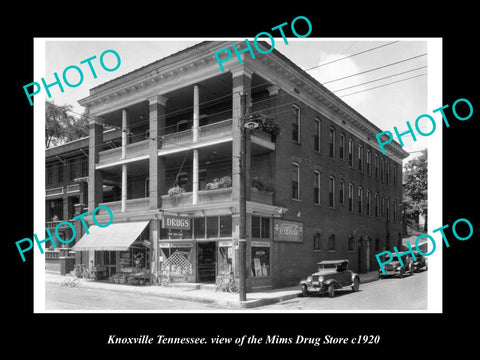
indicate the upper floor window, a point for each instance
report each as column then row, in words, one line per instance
column 332, row 142
column 369, row 162
column 360, row 199
column 387, row 172
column 331, row 191
column 296, row 123
column 376, row 165
column 341, row 192
column 295, row 181
column 260, row 227
column 317, row 135
column 382, row 169
column 317, row 241
column 369, row 203
column 394, row 174
column 350, row 197
column 72, row 169
column 316, row 187
column 60, row 173
column 350, row 152
column 342, row 147
column 49, row 174
column 360, row 157
column 331, row 242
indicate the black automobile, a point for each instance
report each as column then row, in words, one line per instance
column 420, row 263
column 395, row 268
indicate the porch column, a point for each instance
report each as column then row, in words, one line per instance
column 124, row 152
column 95, row 177
column 196, row 117
column 157, row 120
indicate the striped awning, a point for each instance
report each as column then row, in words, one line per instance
column 115, row 237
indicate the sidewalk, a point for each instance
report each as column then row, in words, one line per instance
column 201, row 293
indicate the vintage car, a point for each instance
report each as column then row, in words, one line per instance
column 420, row 263
column 394, row 268
column 330, row 276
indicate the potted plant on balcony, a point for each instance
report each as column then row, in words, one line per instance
column 265, row 124
column 223, row 182
column 175, row 190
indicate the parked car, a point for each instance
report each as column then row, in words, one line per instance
column 421, row 262
column 394, row 268
column 330, row 276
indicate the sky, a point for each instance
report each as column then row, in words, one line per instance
column 385, row 106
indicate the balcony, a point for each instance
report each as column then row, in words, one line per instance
column 204, row 197
column 132, row 205
column 132, row 151
column 206, row 133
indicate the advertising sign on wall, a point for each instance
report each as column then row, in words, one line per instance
column 284, row 230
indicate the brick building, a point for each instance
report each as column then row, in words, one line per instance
column 319, row 189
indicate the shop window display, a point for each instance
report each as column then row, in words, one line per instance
column 260, row 261
column 177, row 261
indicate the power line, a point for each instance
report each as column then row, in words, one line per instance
column 390, row 83
column 377, row 68
column 382, row 78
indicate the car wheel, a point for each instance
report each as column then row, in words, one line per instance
column 356, row 284
column 331, row 290
column 401, row 274
column 305, row 291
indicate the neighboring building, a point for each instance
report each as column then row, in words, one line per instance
column 323, row 190
column 66, row 190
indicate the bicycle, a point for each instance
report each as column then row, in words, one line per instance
column 227, row 282
column 165, row 278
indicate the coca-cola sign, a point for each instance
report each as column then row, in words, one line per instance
column 287, row 231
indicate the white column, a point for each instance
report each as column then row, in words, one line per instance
column 124, row 166
column 196, row 117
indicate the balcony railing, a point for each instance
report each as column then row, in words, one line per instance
column 131, row 205
column 207, row 132
column 204, row 197
column 131, row 151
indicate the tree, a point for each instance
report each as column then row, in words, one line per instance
column 61, row 127
column 415, row 188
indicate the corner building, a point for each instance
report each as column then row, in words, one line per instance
column 319, row 189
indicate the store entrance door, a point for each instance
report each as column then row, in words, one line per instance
column 206, row 262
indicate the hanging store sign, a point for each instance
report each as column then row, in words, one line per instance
column 176, row 222
column 291, row 231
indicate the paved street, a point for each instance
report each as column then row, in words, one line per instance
column 409, row 293
column 64, row 298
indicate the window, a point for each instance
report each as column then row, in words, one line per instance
column 85, row 167
column 199, row 227
column 212, row 226
column 369, row 162
column 350, row 197
column 296, row 181
column 342, row 147
column 260, row 261
column 49, row 174
column 360, row 157
column 182, row 179
column 60, row 172
column 331, row 192
column 382, row 169
column 260, row 227
column 387, row 172
column 318, row 135
column 350, row 153
column 72, row 169
column 369, row 203
column 376, row 204
column 394, row 210
column 332, row 143
column 387, row 202
column 377, row 244
column 316, row 241
column 316, row 187
column 226, row 226
column 331, row 242
column 360, row 199
column 376, row 165
column 382, row 203
column 351, row 243
column 295, row 123
column 341, row 192
column 394, row 174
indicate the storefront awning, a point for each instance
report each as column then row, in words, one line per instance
column 115, row 237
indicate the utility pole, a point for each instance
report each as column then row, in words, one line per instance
column 242, row 244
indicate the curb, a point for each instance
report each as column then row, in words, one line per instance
column 232, row 304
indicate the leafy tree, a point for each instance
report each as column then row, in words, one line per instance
column 61, row 127
column 415, row 188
